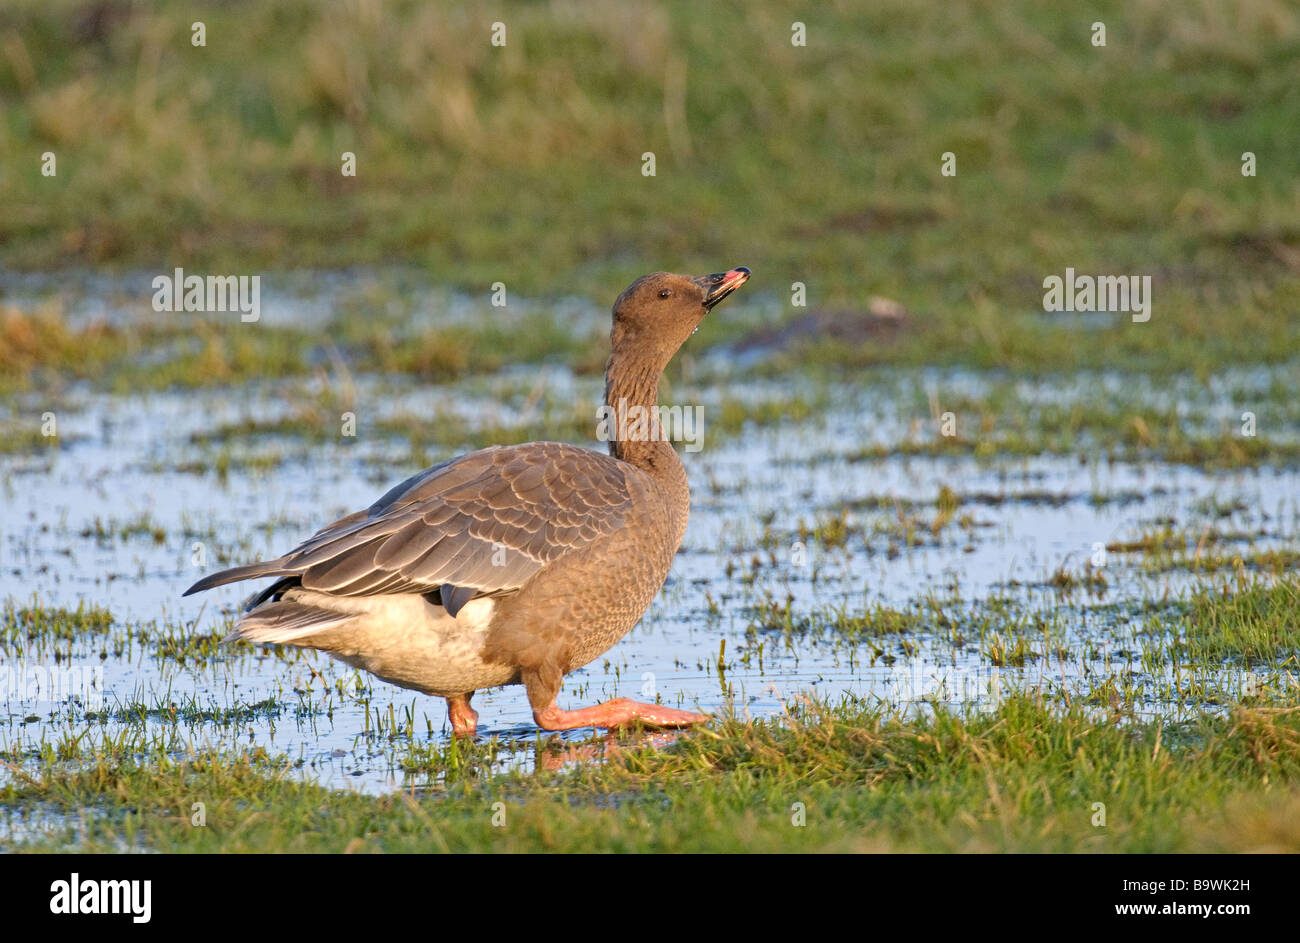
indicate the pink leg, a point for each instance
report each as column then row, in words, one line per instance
column 619, row 712
column 464, row 719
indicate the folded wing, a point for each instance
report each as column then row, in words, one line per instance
column 481, row 524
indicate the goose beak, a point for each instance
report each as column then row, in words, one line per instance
column 717, row 287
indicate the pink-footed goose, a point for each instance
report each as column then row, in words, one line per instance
column 513, row 564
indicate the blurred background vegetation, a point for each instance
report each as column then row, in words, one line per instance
column 818, row 164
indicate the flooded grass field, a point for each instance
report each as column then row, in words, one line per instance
column 918, row 548
column 964, row 571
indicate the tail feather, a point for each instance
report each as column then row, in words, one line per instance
column 237, row 573
column 284, row 622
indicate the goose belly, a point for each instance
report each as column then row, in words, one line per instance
column 409, row 641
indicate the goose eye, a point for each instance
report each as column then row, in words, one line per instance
column 665, row 293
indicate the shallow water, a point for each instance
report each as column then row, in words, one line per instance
column 78, row 523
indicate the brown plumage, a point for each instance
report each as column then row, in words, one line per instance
column 513, row 564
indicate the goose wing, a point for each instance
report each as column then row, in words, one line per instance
column 481, row 524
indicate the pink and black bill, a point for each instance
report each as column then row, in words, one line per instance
column 716, row 287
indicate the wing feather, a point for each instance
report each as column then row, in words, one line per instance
column 484, row 523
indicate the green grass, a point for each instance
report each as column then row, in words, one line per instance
column 819, row 165
column 1023, row 777
column 22, row 624
column 1023, row 773
column 1257, row 624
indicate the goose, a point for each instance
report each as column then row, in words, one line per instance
column 513, row 564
